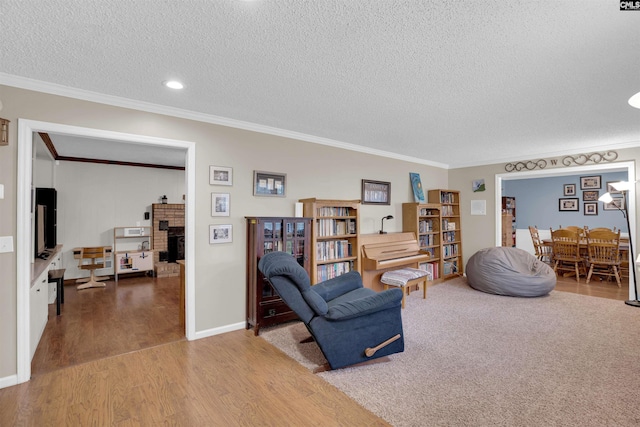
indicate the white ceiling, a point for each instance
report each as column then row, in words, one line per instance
column 445, row 82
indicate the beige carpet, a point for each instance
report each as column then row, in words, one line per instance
column 474, row 359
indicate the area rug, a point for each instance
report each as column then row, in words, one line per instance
column 475, row 359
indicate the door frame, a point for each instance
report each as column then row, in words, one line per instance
column 629, row 166
column 26, row 130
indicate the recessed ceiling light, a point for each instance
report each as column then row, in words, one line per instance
column 173, row 84
column 634, row 101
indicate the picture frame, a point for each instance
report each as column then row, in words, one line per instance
column 477, row 185
column 590, row 196
column 220, row 205
column 614, row 205
column 271, row 184
column 220, row 233
column 376, row 192
column 590, row 208
column 569, row 190
column 568, row 204
column 590, row 182
column 610, row 188
column 220, row 175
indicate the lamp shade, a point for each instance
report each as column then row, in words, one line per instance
column 606, row 198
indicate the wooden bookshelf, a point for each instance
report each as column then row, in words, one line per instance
column 451, row 264
column 424, row 220
column 335, row 231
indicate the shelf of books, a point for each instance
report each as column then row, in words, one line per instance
column 423, row 219
column 335, row 231
column 450, row 231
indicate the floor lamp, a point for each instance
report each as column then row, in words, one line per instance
column 623, row 187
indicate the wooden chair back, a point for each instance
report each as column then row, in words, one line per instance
column 543, row 252
column 566, row 244
column 93, row 258
column 603, row 246
column 579, row 230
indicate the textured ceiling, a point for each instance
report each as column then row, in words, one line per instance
column 451, row 82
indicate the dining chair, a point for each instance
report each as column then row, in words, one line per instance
column 579, row 230
column 604, row 254
column 566, row 252
column 543, row 251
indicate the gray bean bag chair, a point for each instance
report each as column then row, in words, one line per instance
column 509, row 271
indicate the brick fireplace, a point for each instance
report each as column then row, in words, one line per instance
column 167, row 237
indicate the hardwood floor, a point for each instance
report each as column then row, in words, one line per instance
column 229, row 379
column 95, row 323
column 595, row 287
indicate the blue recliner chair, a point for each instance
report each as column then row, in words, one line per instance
column 350, row 323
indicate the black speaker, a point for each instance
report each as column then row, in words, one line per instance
column 146, row 215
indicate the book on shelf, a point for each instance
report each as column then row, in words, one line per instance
column 431, row 268
column 330, row 271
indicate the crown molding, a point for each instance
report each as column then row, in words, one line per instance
column 115, row 101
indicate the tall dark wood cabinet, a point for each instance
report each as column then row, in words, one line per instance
column 264, row 235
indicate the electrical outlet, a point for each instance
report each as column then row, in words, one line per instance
column 6, row 244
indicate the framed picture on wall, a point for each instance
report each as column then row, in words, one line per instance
column 569, row 204
column 220, row 204
column 220, row 175
column 569, row 189
column 376, row 192
column 614, row 205
column 612, row 190
column 220, row 233
column 591, row 208
column 590, row 182
column 269, row 184
column 590, row 196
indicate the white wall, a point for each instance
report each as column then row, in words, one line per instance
column 93, row 198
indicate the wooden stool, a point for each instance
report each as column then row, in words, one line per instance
column 58, row 277
column 405, row 278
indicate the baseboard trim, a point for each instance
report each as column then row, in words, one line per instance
column 221, row 330
column 8, row 381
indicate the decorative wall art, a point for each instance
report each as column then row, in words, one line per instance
column 590, row 182
column 376, row 192
column 220, row 233
column 220, row 205
column 591, row 208
column 269, row 184
column 614, row 205
column 416, row 185
column 478, row 185
column 590, row 196
column 569, row 189
column 568, row 204
column 220, row 175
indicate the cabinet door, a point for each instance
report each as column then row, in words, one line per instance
column 39, row 311
column 271, row 241
column 297, row 240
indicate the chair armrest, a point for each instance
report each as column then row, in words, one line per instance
column 367, row 305
column 333, row 288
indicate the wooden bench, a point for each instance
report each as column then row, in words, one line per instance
column 404, row 278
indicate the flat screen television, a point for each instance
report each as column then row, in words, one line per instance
column 41, row 231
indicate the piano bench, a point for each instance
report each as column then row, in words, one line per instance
column 405, row 278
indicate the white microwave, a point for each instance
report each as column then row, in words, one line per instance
column 133, row 232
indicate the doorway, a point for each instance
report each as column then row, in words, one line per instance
column 26, row 130
column 628, row 166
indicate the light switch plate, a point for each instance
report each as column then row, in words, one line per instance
column 6, row 244
column 1, row 191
